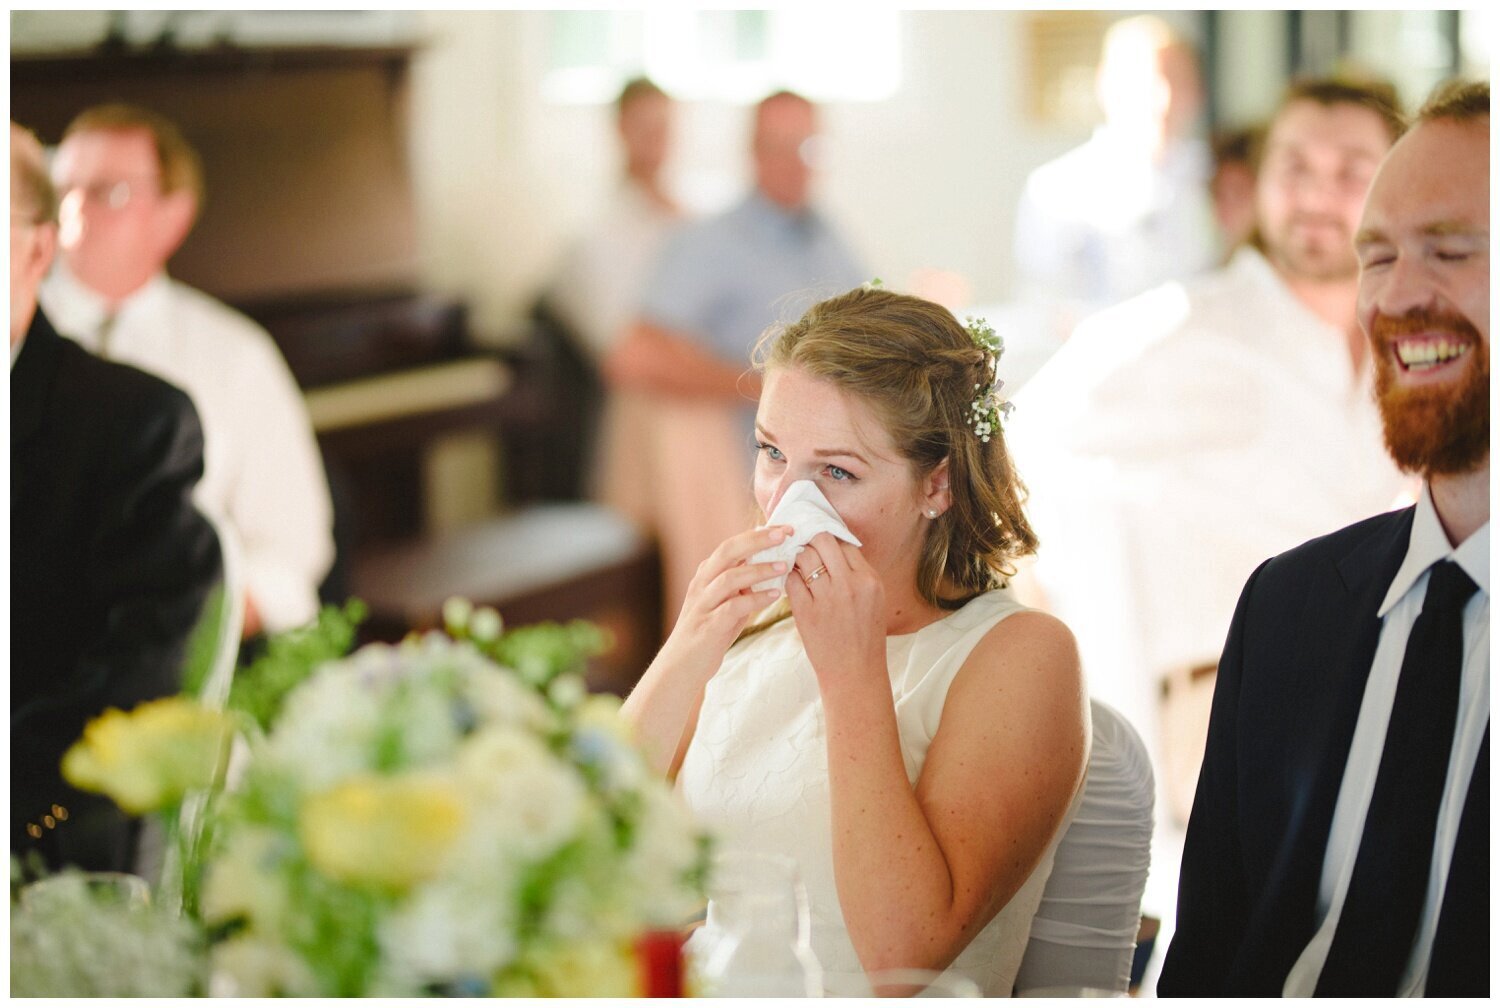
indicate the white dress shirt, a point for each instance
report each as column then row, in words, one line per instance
column 597, row 286
column 263, row 475
column 1403, row 603
column 1170, row 446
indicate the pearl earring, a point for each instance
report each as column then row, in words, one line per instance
column 932, row 512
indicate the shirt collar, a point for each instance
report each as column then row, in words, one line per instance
column 79, row 311
column 1251, row 262
column 778, row 218
column 1429, row 544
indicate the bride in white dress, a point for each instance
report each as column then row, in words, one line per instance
column 911, row 736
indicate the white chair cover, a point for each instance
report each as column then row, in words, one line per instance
column 1083, row 934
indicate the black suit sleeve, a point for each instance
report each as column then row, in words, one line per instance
column 155, row 558
column 1212, row 903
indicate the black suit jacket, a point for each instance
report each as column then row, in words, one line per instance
column 1284, row 710
column 110, row 565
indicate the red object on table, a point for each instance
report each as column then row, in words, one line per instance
column 658, row 955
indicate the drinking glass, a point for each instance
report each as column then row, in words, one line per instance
column 920, row 983
column 756, row 939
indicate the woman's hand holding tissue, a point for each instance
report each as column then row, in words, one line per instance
column 724, row 593
column 721, row 598
column 840, row 613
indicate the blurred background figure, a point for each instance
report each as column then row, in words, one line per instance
column 1180, row 438
column 131, row 187
column 1232, row 187
column 595, row 295
column 110, row 561
column 717, row 286
column 596, row 289
column 1128, row 209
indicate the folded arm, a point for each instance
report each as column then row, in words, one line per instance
column 652, row 358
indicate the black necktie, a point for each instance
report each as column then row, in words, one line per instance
column 1378, row 924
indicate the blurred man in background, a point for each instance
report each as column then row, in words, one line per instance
column 1129, row 209
column 1180, row 438
column 717, row 286
column 130, row 187
column 595, row 296
column 596, row 290
column 110, row 562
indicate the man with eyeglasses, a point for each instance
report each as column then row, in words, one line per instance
column 715, row 288
column 110, row 562
column 130, row 187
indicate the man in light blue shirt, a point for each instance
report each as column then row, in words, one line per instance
column 716, row 287
column 718, row 284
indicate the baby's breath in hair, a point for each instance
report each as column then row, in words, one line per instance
column 988, row 407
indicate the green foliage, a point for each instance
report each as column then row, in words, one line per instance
column 290, row 658
column 544, row 651
column 335, row 929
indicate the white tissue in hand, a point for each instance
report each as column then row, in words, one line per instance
column 808, row 512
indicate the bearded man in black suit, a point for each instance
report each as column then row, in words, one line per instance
column 1339, row 839
column 110, row 561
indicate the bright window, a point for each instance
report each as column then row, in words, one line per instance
column 724, row 55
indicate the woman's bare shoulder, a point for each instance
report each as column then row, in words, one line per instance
column 1025, row 642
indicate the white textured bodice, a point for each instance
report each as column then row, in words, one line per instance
column 756, row 771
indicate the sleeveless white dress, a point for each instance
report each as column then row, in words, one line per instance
column 756, row 772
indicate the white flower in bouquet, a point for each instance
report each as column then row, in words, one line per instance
column 528, row 803
column 452, row 928
column 249, row 966
column 325, row 729
column 667, row 847
column 241, row 887
column 498, row 698
column 79, row 934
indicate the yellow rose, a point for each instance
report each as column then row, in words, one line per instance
column 151, row 757
column 391, row 832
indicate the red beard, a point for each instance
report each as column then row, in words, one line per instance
column 1433, row 429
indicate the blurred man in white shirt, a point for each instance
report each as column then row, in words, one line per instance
column 130, row 187
column 1129, row 209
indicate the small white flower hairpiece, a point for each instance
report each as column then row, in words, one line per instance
column 988, row 407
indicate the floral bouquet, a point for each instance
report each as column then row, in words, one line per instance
column 453, row 815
